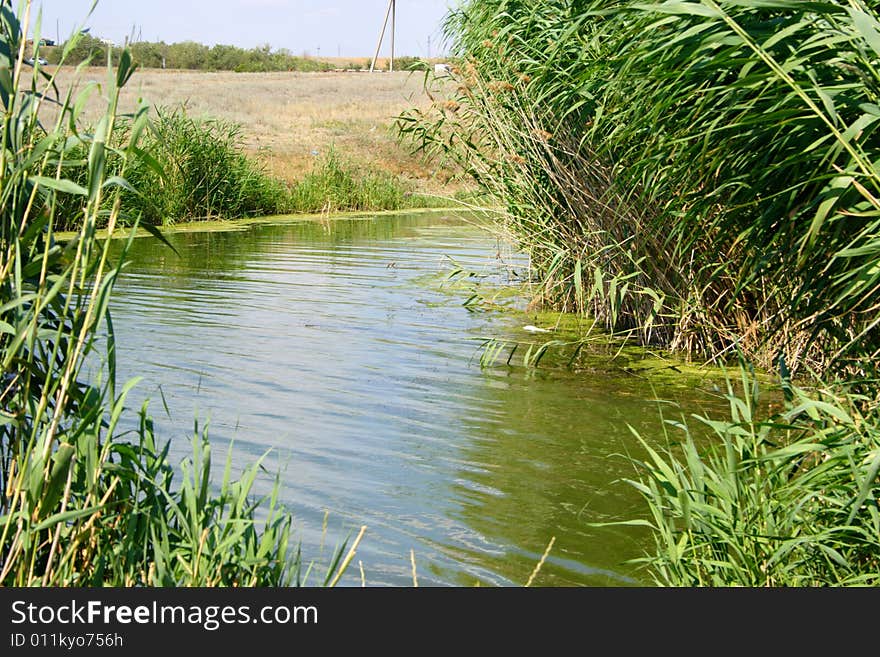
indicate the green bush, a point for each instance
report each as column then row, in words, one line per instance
column 188, row 55
column 181, row 169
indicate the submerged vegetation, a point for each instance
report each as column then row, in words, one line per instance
column 701, row 176
column 82, row 500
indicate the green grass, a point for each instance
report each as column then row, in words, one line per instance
column 335, row 186
column 202, row 173
column 179, row 169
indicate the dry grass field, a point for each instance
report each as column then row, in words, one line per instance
column 288, row 118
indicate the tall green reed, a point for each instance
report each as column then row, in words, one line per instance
column 82, row 501
column 697, row 174
column 203, row 173
column 337, row 185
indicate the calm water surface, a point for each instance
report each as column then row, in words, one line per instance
column 339, row 347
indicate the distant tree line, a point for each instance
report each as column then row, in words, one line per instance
column 197, row 56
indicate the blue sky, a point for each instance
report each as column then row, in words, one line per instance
column 349, row 28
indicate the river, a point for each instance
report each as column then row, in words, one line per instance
column 344, row 350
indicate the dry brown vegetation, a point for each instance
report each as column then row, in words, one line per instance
column 287, row 118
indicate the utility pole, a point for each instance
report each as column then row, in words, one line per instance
column 429, row 46
column 390, row 12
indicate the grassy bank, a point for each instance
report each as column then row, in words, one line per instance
column 185, row 169
column 85, row 502
column 288, row 121
column 700, row 176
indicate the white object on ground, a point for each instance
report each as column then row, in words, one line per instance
column 535, row 329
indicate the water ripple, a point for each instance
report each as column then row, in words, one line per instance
column 340, row 350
